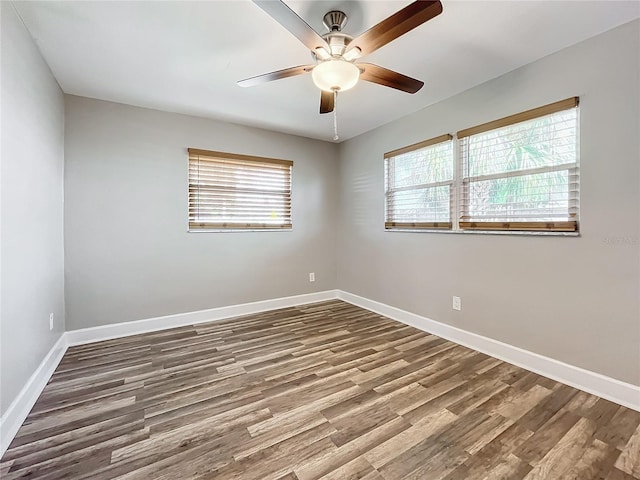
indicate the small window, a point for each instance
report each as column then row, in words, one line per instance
column 229, row 191
column 521, row 172
column 419, row 185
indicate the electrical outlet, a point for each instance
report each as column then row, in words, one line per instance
column 457, row 303
column 312, row 277
column 51, row 321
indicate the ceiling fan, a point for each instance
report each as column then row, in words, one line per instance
column 335, row 52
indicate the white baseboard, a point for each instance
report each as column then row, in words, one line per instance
column 17, row 412
column 591, row 382
column 609, row 388
column 125, row 329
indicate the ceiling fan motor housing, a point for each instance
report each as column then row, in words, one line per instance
column 337, row 43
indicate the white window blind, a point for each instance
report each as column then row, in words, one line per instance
column 521, row 172
column 229, row 191
column 419, row 185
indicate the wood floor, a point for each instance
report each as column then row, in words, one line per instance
column 327, row 391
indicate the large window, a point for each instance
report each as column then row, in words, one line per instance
column 519, row 173
column 229, row 191
column 418, row 185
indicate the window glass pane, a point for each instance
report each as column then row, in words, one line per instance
column 415, row 193
column 542, row 142
column 539, row 197
column 522, row 175
column 430, row 204
column 427, row 165
column 238, row 193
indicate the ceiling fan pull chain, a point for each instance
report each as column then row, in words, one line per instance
column 335, row 115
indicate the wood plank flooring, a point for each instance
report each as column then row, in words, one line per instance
column 323, row 391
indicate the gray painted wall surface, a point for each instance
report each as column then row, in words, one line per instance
column 32, row 235
column 129, row 256
column 128, row 253
column 572, row 299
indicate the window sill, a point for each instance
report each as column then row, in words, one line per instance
column 487, row 232
column 238, row 230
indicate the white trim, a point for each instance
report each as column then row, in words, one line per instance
column 609, row 388
column 125, row 329
column 17, row 412
column 595, row 383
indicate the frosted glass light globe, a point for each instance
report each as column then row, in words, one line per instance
column 335, row 75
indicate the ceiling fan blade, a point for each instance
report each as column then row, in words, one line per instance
column 396, row 25
column 277, row 75
column 290, row 20
column 326, row 102
column 389, row 78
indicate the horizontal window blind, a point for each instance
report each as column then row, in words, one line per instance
column 521, row 172
column 229, row 191
column 419, row 185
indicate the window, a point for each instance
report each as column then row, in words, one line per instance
column 519, row 173
column 418, row 185
column 229, row 191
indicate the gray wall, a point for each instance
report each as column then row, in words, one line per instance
column 572, row 299
column 129, row 256
column 32, row 171
column 128, row 253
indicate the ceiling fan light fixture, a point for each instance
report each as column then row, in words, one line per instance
column 352, row 54
column 335, row 74
column 322, row 53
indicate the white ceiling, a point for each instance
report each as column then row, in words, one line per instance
column 186, row 57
